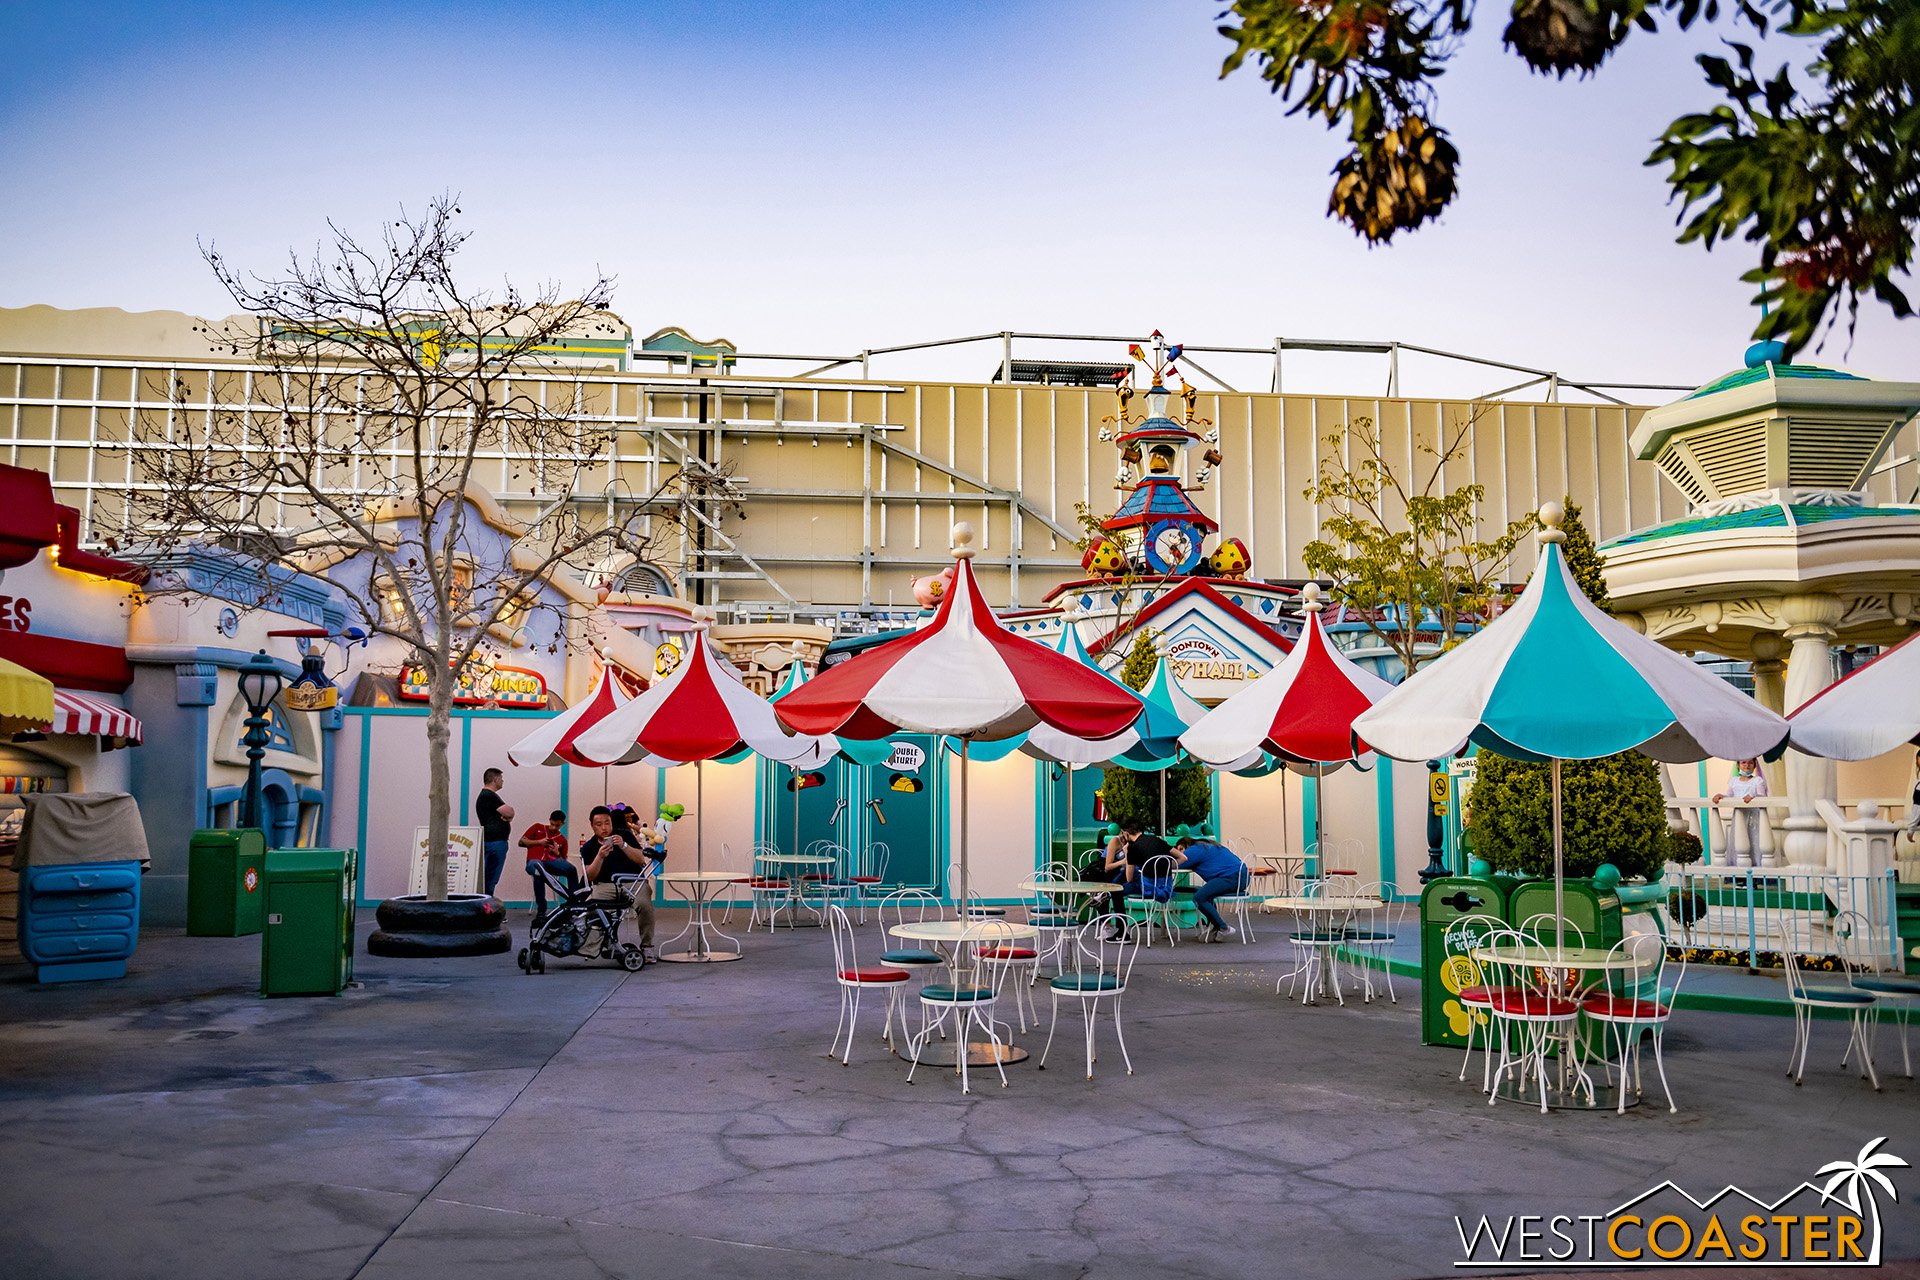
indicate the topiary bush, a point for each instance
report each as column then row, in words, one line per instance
column 1683, row 847
column 1612, row 810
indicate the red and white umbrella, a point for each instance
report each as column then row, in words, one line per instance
column 1868, row 713
column 963, row 675
column 1301, row 711
column 552, row 743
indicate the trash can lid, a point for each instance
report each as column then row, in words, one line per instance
column 306, row 864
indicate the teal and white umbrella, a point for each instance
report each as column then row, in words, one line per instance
column 1554, row 678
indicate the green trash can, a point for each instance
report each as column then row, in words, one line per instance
column 225, row 895
column 306, row 946
column 1595, row 914
column 1447, row 938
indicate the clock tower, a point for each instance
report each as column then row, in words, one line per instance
column 1157, row 530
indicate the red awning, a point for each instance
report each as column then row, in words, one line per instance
column 77, row 713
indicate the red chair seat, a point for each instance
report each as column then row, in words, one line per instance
column 873, row 975
column 1008, row 953
column 1485, row 995
column 866, row 879
column 1528, row 1004
column 1261, row 871
column 761, row 882
column 1603, row 1004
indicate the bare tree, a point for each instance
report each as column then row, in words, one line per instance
column 345, row 443
column 1402, row 550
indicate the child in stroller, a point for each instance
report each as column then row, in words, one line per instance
column 584, row 926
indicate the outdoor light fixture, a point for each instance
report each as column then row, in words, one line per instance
column 260, row 683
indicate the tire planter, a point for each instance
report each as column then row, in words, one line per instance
column 470, row 924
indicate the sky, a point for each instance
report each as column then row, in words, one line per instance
column 826, row 177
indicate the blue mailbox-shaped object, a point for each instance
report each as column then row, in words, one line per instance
column 80, row 860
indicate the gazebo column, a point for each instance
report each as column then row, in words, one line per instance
column 1811, row 622
column 1770, row 691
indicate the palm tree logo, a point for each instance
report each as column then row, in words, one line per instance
column 1854, row 1180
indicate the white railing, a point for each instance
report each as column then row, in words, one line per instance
column 1714, row 824
column 1762, row 912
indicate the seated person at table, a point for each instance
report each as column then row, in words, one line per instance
column 611, row 852
column 546, row 846
column 1142, row 847
column 1220, row 873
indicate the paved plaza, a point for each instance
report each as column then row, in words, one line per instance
column 459, row 1119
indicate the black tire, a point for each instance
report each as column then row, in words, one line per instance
column 539, row 962
column 525, row 964
column 408, row 945
column 632, row 959
column 461, row 913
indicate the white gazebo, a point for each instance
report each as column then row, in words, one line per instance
column 1785, row 554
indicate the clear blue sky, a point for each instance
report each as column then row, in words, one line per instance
column 826, row 177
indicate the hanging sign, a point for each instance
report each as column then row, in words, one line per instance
column 464, row 854
column 512, row 687
column 906, row 757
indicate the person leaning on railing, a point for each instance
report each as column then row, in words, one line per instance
column 1746, row 784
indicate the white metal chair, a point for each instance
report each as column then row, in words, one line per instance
column 1158, row 873
column 1101, row 966
column 1897, row 993
column 1462, row 938
column 908, row 906
column 853, row 979
column 768, row 889
column 1316, row 948
column 1055, row 917
column 1530, row 1015
column 1860, row 1008
column 1550, row 930
column 1373, row 939
column 870, row 875
column 1644, row 1005
column 968, row 997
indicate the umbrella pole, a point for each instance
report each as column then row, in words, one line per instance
column 1070, row 866
column 699, row 818
column 965, row 888
column 1559, row 869
column 1319, row 816
column 1163, row 804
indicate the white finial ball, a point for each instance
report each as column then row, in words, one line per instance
column 963, row 540
column 1551, row 516
column 1311, row 592
column 703, row 615
column 1869, row 809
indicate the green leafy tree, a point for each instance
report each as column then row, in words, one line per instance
column 1826, row 183
column 1130, row 795
column 1612, row 809
column 1406, row 553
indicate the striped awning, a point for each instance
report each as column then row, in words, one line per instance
column 79, row 714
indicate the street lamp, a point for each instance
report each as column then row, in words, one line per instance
column 259, row 685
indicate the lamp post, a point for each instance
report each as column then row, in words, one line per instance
column 259, row 685
column 1437, row 796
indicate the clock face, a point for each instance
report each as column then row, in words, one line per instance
column 1171, row 547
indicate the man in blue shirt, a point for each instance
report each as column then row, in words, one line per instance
column 1222, row 873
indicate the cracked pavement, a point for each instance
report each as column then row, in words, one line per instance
column 456, row 1118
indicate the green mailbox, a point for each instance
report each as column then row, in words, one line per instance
column 1450, row 928
column 225, row 892
column 306, row 946
column 1595, row 914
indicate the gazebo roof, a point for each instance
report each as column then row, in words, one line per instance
column 1772, row 515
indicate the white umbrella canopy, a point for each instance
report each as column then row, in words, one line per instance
column 1554, row 678
column 1873, row 710
column 551, row 743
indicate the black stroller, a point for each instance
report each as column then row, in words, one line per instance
column 580, row 926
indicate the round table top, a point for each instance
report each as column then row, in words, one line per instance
column 704, row 877
column 1322, row 904
column 953, row 930
column 796, row 859
column 1069, row 886
column 1558, row 957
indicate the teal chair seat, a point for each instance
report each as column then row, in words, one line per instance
column 946, row 993
column 911, row 957
column 1889, row 986
column 1086, row 982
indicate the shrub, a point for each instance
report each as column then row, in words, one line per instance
column 1130, row 796
column 1612, row 810
column 1683, row 847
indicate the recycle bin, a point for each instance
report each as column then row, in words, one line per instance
column 225, row 895
column 306, row 939
column 1595, row 914
column 80, row 858
column 1447, row 938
